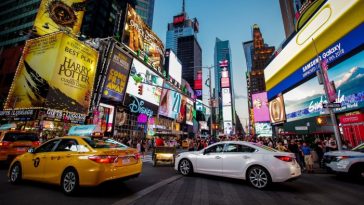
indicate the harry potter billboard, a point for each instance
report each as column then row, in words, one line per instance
column 55, row 71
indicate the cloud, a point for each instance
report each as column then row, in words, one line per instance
column 346, row 77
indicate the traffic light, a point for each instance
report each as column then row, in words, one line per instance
column 140, row 89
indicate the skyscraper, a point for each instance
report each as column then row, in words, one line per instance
column 290, row 12
column 224, row 85
column 145, row 8
column 180, row 27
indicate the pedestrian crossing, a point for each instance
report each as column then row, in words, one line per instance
column 147, row 159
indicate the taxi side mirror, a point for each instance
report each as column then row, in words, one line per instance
column 31, row 150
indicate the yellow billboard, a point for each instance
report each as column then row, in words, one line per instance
column 56, row 72
column 59, row 15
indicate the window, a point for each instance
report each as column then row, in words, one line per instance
column 47, row 147
column 67, row 145
column 104, row 143
column 215, row 149
column 231, row 148
column 13, row 137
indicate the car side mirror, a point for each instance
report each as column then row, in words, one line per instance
column 31, row 150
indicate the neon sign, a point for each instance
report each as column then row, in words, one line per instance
column 137, row 107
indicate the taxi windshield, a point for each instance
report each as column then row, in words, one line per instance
column 104, row 143
column 359, row 148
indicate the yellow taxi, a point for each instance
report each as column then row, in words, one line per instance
column 74, row 161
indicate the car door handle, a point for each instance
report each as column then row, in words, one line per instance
column 217, row 157
column 246, row 157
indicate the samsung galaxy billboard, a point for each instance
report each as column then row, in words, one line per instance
column 306, row 100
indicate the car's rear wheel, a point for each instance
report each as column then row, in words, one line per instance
column 259, row 177
column 15, row 173
column 185, row 167
column 69, row 181
column 357, row 171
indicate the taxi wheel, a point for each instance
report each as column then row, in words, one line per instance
column 15, row 173
column 69, row 181
column 258, row 177
column 185, row 167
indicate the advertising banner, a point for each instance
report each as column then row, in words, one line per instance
column 55, row 71
column 182, row 111
column 199, row 105
column 59, row 15
column 173, row 66
column 144, row 89
column 277, row 112
column 345, row 45
column 170, row 104
column 106, row 117
column 141, row 39
column 117, row 76
column 260, row 107
column 228, row 127
column 263, row 129
column 189, row 112
column 306, row 100
column 225, row 82
column 226, row 96
column 330, row 89
column 227, row 113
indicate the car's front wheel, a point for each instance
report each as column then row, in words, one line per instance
column 258, row 177
column 15, row 173
column 185, row 167
column 69, row 181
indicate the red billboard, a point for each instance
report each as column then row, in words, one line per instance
column 225, row 82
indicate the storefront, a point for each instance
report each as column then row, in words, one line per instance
column 352, row 127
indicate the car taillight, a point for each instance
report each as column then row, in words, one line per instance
column 103, row 159
column 137, row 155
column 35, row 143
column 284, row 158
column 5, row 144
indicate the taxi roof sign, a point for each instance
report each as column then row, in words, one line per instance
column 83, row 130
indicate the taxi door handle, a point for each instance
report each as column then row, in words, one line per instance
column 217, row 157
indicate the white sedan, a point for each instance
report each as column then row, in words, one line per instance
column 259, row 164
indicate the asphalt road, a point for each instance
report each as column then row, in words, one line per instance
column 198, row 189
column 107, row 193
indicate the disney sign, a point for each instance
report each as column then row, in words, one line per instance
column 137, row 107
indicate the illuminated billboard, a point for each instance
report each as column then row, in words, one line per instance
column 182, row 110
column 263, row 129
column 227, row 113
column 226, row 96
column 140, row 38
column 174, row 66
column 170, row 103
column 144, row 89
column 306, row 100
column 55, row 71
column 228, row 128
column 117, row 76
column 189, row 112
column 225, row 82
column 260, row 107
column 59, row 15
column 277, row 112
column 105, row 115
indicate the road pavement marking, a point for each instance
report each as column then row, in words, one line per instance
column 140, row 194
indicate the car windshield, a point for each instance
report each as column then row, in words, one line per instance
column 265, row 147
column 359, row 148
column 19, row 136
column 104, row 143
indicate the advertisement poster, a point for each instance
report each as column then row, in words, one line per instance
column 144, row 79
column 56, row 72
column 182, row 111
column 306, row 100
column 170, row 104
column 59, row 15
column 260, row 107
column 106, row 117
column 226, row 96
column 276, row 110
column 227, row 113
column 174, row 66
column 228, row 127
column 140, row 38
column 189, row 112
column 225, row 82
column 117, row 76
column 263, row 129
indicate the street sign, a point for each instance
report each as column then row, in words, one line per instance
column 331, row 105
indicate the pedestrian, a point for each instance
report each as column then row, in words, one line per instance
column 331, row 144
column 281, row 147
column 319, row 149
column 191, row 145
column 308, row 157
column 293, row 147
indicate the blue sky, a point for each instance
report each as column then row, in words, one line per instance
column 228, row 20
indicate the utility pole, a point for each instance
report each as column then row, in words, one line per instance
column 332, row 114
column 211, row 103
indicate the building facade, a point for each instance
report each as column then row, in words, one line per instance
column 224, row 86
column 145, row 8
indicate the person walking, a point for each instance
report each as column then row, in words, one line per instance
column 191, row 145
column 293, row 147
column 280, row 147
column 308, row 157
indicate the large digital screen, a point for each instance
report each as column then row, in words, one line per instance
column 117, row 76
column 140, row 38
column 56, row 15
column 174, row 66
column 105, row 117
column 189, row 112
column 144, row 89
column 306, row 100
column 263, row 129
column 228, row 128
column 227, row 113
column 182, row 111
column 226, row 96
column 225, row 82
column 170, row 104
column 55, row 71
column 260, row 107
column 277, row 112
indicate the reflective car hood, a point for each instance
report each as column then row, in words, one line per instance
column 344, row 153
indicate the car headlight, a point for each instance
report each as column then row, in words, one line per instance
column 341, row 158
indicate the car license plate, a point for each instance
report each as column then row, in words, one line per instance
column 126, row 161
